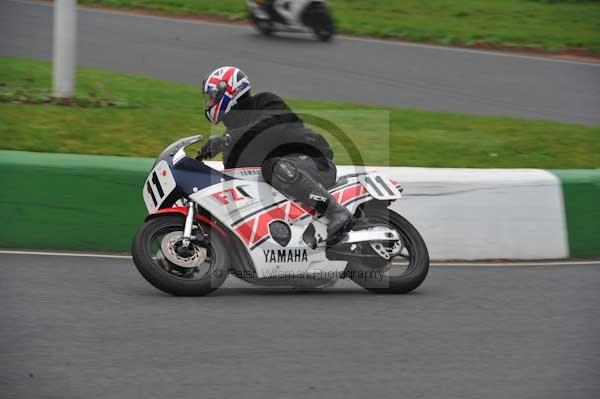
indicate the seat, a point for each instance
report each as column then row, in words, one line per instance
column 343, row 180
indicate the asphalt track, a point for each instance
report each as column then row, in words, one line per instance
column 77, row 327
column 348, row 69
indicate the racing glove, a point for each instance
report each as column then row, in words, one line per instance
column 213, row 146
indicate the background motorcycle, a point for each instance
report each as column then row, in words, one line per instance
column 292, row 16
column 204, row 224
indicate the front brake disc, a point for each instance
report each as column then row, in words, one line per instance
column 169, row 244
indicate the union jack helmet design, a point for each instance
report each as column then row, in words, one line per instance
column 222, row 89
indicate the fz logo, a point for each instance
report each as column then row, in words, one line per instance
column 231, row 195
column 316, row 197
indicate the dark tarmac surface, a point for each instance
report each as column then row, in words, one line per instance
column 75, row 327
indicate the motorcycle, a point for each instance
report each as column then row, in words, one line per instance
column 204, row 224
column 292, row 16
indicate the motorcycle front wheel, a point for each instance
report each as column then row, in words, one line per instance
column 195, row 272
column 405, row 270
column 264, row 26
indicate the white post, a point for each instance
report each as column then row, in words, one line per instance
column 65, row 26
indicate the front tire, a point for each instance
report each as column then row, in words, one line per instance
column 384, row 279
column 264, row 26
column 150, row 261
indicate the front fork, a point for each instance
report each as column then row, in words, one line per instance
column 189, row 221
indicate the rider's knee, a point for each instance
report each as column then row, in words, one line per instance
column 286, row 172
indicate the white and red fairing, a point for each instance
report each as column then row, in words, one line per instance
column 247, row 205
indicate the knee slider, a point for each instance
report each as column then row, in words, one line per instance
column 286, row 172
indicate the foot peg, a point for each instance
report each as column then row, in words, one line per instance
column 309, row 236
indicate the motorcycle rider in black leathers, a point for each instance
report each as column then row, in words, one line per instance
column 262, row 131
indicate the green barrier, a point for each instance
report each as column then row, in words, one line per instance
column 87, row 202
column 77, row 202
column 581, row 191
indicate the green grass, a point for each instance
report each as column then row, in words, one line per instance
column 537, row 24
column 166, row 111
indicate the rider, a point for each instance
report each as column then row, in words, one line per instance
column 262, row 131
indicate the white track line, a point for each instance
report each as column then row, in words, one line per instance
column 352, row 38
column 478, row 264
column 72, row 254
column 519, row 264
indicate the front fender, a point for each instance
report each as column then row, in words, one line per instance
column 182, row 210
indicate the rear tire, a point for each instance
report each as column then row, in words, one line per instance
column 319, row 18
column 147, row 263
column 388, row 283
column 324, row 34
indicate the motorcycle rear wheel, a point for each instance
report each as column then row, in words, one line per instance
column 324, row 34
column 414, row 256
column 168, row 277
column 319, row 18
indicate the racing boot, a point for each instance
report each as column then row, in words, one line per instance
column 339, row 220
column 290, row 180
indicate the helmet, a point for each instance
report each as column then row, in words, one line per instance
column 222, row 89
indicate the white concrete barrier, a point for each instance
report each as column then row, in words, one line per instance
column 483, row 213
column 472, row 214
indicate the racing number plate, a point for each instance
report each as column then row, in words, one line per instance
column 380, row 187
column 159, row 185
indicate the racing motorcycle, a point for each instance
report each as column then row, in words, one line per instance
column 292, row 16
column 205, row 224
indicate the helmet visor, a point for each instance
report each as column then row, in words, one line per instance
column 214, row 95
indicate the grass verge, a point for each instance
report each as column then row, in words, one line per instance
column 554, row 25
column 165, row 111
